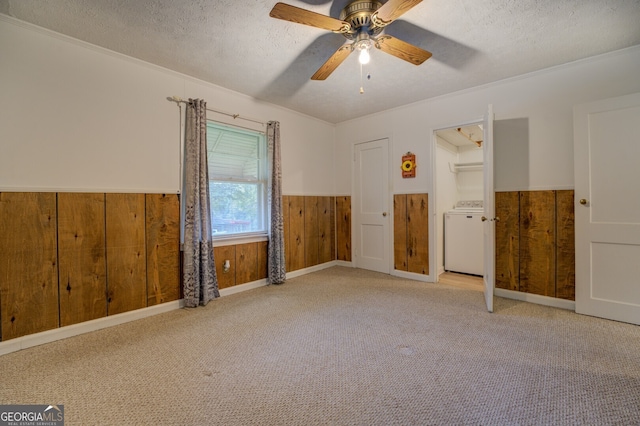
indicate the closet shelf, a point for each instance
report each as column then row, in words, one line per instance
column 465, row 167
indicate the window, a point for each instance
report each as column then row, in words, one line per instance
column 237, row 180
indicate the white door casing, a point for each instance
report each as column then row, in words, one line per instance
column 607, row 208
column 489, row 210
column 371, row 206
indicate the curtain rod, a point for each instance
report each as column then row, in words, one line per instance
column 178, row 100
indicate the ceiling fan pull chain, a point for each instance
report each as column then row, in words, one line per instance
column 361, row 81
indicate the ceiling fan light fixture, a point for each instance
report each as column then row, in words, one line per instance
column 363, row 44
column 364, row 57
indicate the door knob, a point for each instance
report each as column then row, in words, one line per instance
column 583, row 201
column 384, row 214
column 484, row 219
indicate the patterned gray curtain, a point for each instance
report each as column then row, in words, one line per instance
column 200, row 283
column 275, row 262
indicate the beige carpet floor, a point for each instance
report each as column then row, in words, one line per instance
column 341, row 347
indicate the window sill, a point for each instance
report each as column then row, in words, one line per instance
column 239, row 239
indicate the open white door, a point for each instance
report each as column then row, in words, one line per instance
column 371, row 206
column 489, row 218
column 607, row 210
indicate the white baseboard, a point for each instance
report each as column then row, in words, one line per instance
column 292, row 274
column 412, row 276
column 242, row 287
column 315, row 268
column 536, row 298
column 48, row 336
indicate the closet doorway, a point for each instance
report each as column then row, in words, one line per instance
column 459, row 162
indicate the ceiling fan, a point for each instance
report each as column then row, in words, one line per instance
column 362, row 23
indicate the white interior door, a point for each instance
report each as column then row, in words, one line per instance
column 371, row 206
column 489, row 218
column 607, row 210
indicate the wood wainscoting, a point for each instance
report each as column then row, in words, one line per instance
column 247, row 263
column 67, row 258
column 411, row 233
column 535, row 247
column 343, row 228
column 311, row 234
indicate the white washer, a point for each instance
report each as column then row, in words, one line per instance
column 463, row 238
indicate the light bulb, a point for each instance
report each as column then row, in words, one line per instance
column 364, row 56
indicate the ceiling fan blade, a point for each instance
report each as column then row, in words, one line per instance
column 402, row 49
column 333, row 62
column 307, row 17
column 390, row 11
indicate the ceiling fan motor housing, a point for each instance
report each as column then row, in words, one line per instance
column 358, row 15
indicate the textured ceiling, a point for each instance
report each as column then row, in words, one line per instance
column 235, row 44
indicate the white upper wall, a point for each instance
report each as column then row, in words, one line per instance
column 546, row 98
column 76, row 117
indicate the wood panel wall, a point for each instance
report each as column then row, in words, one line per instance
column 418, row 233
column 163, row 248
column 247, row 263
column 537, row 242
column 343, row 228
column 28, row 264
column 309, row 238
column 400, row 232
column 310, row 230
column 535, row 249
column 508, row 240
column 110, row 253
column 565, row 245
column 220, row 255
column 66, row 258
column 326, row 229
column 411, row 233
column 126, row 257
column 82, row 257
column 294, row 245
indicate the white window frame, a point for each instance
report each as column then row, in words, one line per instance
column 262, row 181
